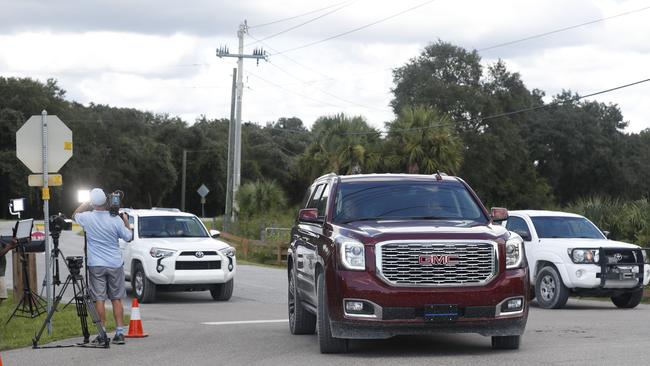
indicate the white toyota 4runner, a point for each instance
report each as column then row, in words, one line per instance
column 568, row 254
column 173, row 251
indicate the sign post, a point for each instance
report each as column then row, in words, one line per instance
column 55, row 150
column 203, row 191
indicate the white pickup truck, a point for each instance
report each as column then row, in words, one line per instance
column 567, row 254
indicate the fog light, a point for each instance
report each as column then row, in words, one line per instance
column 579, row 273
column 160, row 268
column 512, row 305
column 353, row 306
column 230, row 267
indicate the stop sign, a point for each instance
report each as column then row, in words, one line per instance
column 29, row 148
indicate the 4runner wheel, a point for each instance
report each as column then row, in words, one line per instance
column 629, row 300
column 145, row 290
column 328, row 344
column 550, row 291
column 222, row 291
column 506, row 342
column 300, row 320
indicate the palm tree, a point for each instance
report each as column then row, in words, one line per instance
column 422, row 140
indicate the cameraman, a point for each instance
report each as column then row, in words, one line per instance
column 105, row 273
column 5, row 247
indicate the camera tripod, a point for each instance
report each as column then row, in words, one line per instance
column 83, row 304
column 30, row 305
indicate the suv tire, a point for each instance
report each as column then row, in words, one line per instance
column 300, row 320
column 506, row 342
column 223, row 291
column 328, row 344
column 144, row 290
column 550, row 291
column 628, row 300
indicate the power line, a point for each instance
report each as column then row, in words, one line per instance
column 296, row 16
column 540, row 35
column 348, row 3
column 355, row 29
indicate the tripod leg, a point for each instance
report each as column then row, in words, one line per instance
column 80, row 305
column 50, row 314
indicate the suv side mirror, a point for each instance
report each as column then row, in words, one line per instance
column 308, row 215
column 499, row 214
column 606, row 233
column 524, row 234
column 214, row 233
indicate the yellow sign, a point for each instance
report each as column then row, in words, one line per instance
column 67, row 145
column 45, row 192
column 36, row 180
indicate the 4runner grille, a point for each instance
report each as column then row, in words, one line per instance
column 437, row 263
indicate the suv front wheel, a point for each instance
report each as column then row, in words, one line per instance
column 628, row 300
column 550, row 291
column 145, row 290
column 328, row 344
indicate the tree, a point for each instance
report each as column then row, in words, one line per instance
column 260, row 197
column 422, row 140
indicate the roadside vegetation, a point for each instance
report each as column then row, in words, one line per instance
column 65, row 324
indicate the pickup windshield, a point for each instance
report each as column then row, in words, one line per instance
column 170, row 227
column 405, row 201
column 566, row 227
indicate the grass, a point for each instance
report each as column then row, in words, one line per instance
column 65, row 324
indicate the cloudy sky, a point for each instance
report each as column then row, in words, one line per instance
column 160, row 55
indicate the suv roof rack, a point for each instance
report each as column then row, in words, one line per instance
column 166, row 209
column 326, row 175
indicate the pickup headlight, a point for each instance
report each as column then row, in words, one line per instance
column 353, row 254
column 514, row 252
column 161, row 252
column 582, row 256
column 228, row 252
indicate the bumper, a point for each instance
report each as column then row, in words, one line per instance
column 588, row 276
column 172, row 276
column 401, row 311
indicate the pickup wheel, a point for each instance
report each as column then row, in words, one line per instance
column 222, row 291
column 550, row 291
column 506, row 342
column 629, row 300
column 328, row 344
column 300, row 320
column 145, row 290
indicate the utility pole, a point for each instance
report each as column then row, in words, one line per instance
column 183, row 180
column 235, row 171
column 228, row 217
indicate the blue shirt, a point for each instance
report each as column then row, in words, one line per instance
column 102, row 234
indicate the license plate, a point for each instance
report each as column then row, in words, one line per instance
column 440, row 313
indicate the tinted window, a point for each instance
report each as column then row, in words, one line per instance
column 565, row 227
column 170, row 227
column 315, row 198
column 405, row 200
column 518, row 225
column 322, row 202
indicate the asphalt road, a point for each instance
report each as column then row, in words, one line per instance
column 585, row 333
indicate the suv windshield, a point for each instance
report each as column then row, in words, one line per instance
column 405, row 201
column 171, row 227
column 565, row 227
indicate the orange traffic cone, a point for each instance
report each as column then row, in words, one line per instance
column 135, row 325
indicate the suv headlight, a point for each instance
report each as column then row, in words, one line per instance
column 228, row 252
column 353, row 254
column 582, row 256
column 514, row 252
column 161, row 252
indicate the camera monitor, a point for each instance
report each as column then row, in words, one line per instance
column 23, row 230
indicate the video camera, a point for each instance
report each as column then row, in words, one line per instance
column 114, row 202
column 59, row 223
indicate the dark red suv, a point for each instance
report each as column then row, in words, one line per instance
column 379, row 255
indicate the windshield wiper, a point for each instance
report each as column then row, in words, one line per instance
column 361, row 219
column 433, row 218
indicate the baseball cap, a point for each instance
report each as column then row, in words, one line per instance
column 97, row 197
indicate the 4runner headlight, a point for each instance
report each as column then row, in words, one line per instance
column 514, row 252
column 228, row 252
column 161, row 252
column 582, row 256
column 353, row 254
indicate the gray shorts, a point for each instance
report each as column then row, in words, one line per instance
column 105, row 283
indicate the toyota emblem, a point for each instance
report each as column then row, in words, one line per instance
column 618, row 257
column 199, row 254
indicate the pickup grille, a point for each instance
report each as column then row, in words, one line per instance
column 470, row 263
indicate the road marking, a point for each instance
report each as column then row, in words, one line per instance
column 247, row 322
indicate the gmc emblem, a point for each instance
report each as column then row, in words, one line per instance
column 438, row 260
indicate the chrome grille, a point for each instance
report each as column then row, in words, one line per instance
column 399, row 263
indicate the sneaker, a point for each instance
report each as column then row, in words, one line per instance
column 118, row 339
column 98, row 341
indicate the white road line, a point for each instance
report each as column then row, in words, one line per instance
column 247, row 322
